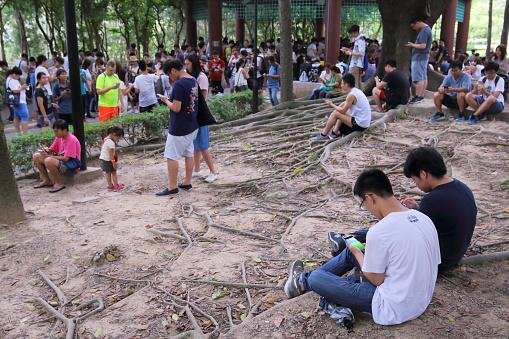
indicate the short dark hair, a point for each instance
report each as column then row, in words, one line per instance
column 59, row 72
column 391, row 62
column 491, row 66
column 3, row 63
column 457, row 64
column 40, row 59
column 172, row 64
column 354, row 29
column 157, row 55
column 425, row 159
column 416, row 19
column 61, row 125
column 115, row 130
column 373, row 181
column 349, row 79
column 60, row 60
column 16, row 70
column 143, row 65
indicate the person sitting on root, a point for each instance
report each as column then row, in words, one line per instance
column 449, row 203
column 488, row 95
column 63, row 156
column 393, row 90
column 452, row 92
column 354, row 114
column 330, row 89
column 399, row 266
column 324, row 79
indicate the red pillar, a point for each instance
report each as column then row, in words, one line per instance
column 319, row 28
column 462, row 35
column 332, row 35
column 191, row 31
column 448, row 25
column 240, row 29
column 215, row 25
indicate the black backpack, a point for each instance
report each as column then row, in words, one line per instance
column 159, row 86
column 263, row 67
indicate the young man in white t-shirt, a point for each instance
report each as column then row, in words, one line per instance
column 145, row 86
column 399, row 266
column 487, row 97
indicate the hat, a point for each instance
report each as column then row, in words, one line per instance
column 133, row 58
column 203, row 58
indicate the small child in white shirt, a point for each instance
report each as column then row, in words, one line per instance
column 108, row 160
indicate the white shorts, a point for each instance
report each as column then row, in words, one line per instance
column 179, row 146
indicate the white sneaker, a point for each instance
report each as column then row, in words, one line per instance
column 197, row 174
column 211, row 178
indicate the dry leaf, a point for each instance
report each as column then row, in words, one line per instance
column 243, row 316
column 111, row 257
column 30, row 307
column 98, row 332
column 175, row 317
column 278, row 319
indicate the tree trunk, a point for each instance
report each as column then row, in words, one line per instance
column 12, row 206
column 47, row 37
column 396, row 27
column 490, row 28
column 2, row 43
column 285, row 15
column 505, row 26
column 22, row 32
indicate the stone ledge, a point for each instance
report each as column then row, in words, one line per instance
column 83, row 177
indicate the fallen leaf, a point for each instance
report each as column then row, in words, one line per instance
column 241, row 306
column 278, row 319
column 111, row 257
column 98, row 332
column 243, row 316
column 306, row 314
column 75, row 257
column 309, row 263
column 217, row 294
column 46, row 259
column 175, row 317
column 270, row 300
column 506, row 210
column 164, row 322
column 451, row 318
column 141, row 327
column 246, row 147
column 30, row 307
column 168, row 255
column 53, row 303
column 256, row 259
column 2, row 237
column 297, row 170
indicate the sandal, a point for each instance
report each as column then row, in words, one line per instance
column 119, row 187
column 42, row 185
column 55, row 190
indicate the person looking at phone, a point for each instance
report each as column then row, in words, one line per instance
column 20, row 109
column 108, row 88
column 448, row 202
column 62, row 96
column 487, row 96
column 393, row 90
column 399, row 266
column 452, row 92
column 43, row 100
column 420, row 56
column 144, row 84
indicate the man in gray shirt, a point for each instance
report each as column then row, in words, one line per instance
column 420, row 56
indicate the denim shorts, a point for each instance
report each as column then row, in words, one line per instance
column 497, row 107
column 21, row 112
column 419, row 70
column 201, row 143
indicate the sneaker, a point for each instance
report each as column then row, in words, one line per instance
column 415, row 100
column 186, row 187
column 211, row 178
column 319, row 137
column 473, row 120
column 293, row 287
column 197, row 174
column 459, row 117
column 336, row 243
column 166, row 191
column 333, row 136
column 437, row 117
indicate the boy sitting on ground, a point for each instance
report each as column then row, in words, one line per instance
column 63, row 156
column 449, row 203
column 354, row 114
column 399, row 266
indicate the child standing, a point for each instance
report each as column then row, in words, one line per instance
column 108, row 159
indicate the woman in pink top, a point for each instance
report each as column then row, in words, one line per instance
column 62, row 156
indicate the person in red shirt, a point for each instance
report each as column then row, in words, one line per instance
column 216, row 71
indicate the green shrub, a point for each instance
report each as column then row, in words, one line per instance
column 232, row 106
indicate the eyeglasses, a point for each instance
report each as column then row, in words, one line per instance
column 360, row 200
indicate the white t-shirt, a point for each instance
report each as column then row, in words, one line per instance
column 203, row 82
column 238, row 78
column 311, row 50
column 492, row 87
column 105, row 149
column 42, row 69
column 145, row 83
column 15, row 85
column 326, row 77
column 361, row 110
column 360, row 47
column 404, row 246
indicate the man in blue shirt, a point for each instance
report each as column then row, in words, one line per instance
column 273, row 80
column 420, row 56
column 452, row 92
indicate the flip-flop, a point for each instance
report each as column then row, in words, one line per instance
column 57, row 189
column 42, row 185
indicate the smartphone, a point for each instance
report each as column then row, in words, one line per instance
column 446, row 87
column 356, row 243
column 160, row 95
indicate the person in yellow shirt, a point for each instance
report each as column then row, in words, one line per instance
column 108, row 89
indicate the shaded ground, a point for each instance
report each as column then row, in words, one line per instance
column 272, row 185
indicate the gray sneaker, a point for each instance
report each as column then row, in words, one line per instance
column 293, row 287
column 319, row 137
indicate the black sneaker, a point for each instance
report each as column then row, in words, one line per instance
column 415, row 100
column 186, row 187
column 166, row 191
column 336, row 243
column 293, row 287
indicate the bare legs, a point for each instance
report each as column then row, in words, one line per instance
column 335, row 120
column 376, row 96
column 207, row 156
column 420, row 87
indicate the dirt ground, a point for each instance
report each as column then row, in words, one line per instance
column 129, row 249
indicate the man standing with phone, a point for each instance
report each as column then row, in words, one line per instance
column 108, row 89
column 420, row 57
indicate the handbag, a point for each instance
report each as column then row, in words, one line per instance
column 11, row 98
column 204, row 117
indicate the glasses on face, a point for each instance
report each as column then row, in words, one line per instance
column 360, row 200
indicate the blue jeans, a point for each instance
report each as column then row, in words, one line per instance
column 327, row 281
column 316, row 93
column 273, row 95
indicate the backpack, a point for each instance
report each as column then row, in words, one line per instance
column 159, row 86
column 263, row 67
column 11, row 98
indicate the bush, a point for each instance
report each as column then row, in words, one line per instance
column 232, row 106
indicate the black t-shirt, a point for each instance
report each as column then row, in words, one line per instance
column 452, row 209
column 184, row 122
column 41, row 92
column 398, row 87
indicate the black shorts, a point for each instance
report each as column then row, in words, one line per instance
column 65, row 116
column 345, row 130
column 106, row 166
column 148, row 108
column 450, row 102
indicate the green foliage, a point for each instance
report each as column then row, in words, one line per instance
column 232, row 106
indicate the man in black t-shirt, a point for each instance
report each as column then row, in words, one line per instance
column 393, row 90
column 449, row 203
column 43, row 101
